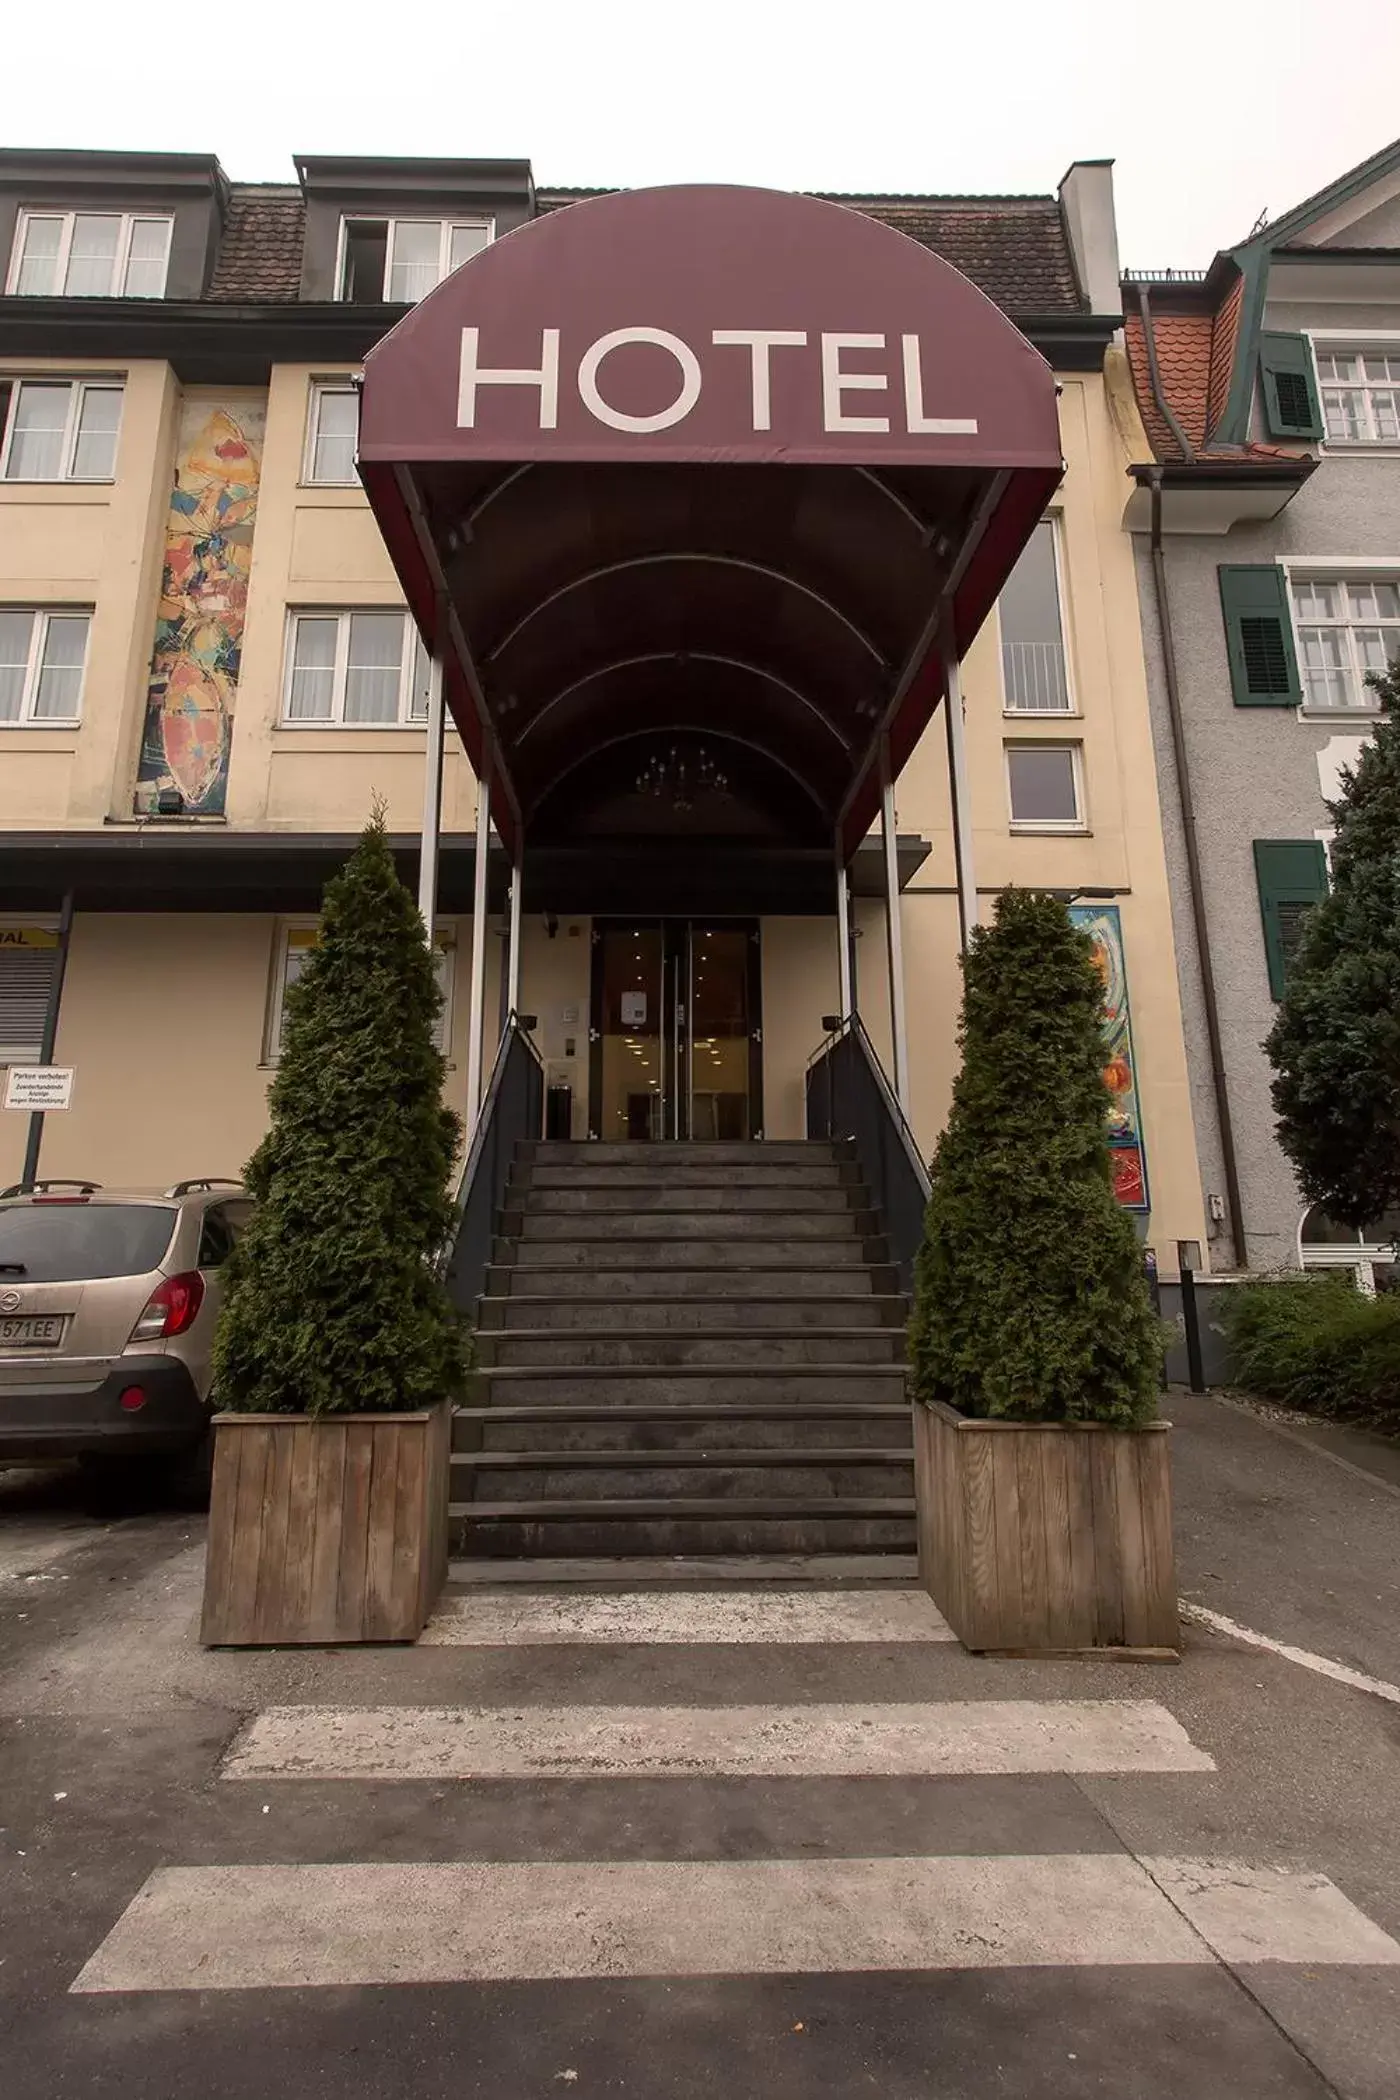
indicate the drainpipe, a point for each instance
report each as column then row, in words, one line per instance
column 1193, row 863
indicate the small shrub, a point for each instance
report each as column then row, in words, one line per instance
column 1318, row 1344
column 1030, row 1301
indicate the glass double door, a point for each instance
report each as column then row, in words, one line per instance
column 675, row 1042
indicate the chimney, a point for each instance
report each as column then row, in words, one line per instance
column 1086, row 199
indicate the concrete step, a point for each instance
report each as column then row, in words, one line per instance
column 544, row 1281
column 602, row 1311
column 610, row 1476
column 691, row 1385
column 725, row 1152
column 716, row 1348
column 689, row 1172
column 674, row 1526
column 661, row 1429
column 740, row 1199
column 679, row 1221
column 570, row 1249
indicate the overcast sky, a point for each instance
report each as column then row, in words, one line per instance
column 1214, row 110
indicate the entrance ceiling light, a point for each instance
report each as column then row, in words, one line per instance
column 680, row 776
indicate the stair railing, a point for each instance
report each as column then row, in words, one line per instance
column 513, row 1109
column 849, row 1096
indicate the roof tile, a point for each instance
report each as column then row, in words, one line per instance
column 260, row 253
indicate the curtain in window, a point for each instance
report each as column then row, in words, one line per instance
column 373, row 667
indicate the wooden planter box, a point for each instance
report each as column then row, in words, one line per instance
column 325, row 1528
column 1047, row 1538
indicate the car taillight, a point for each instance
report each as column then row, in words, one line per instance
column 171, row 1308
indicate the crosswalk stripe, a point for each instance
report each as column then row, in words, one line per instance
column 570, row 1742
column 491, row 1619
column 261, row 1927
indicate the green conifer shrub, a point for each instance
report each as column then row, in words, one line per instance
column 1335, row 1044
column 1030, row 1301
column 333, row 1300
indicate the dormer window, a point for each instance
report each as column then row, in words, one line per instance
column 89, row 255
column 399, row 261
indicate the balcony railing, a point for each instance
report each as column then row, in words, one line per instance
column 1034, row 678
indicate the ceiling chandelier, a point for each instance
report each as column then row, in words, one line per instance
column 679, row 777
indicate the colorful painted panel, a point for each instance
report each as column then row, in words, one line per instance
column 1102, row 924
column 203, row 600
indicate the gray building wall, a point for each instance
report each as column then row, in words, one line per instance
column 1254, row 775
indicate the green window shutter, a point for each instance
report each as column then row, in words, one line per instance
column 1292, row 876
column 1259, row 636
column 1290, row 390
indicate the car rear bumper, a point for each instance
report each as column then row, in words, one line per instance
column 40, row 1420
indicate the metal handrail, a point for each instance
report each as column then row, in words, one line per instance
column 513, row 1030
column 854, row 1026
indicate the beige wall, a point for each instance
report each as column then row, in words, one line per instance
column 164, row 1019
column 98, row 544
column 190, row 993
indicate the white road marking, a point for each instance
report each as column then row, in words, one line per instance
column 1270, row 1913
column 570, row 1617
column 1322, row 1664
column 782, row 1742
column 260, row 1927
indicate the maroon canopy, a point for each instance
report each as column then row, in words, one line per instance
column 702, row 460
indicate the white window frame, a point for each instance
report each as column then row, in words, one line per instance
column 1328, row 342
column 1358, row 1255
column 283, row 939
column 1073, row 712
column 336, row 721
column 446, row 228
column 319, row 388
column 1331, row 568
column 121, row 260
column 1063, row 827
column 40, row 616
column 78, row 389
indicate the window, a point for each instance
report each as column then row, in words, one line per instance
column 28, row 961
column 42, row 655
column 333, row 429
column 1043, row 781
column 1371, row 1250
column 1292, row 876
column 1360, row 395
column 90, row 255
column 295, row 944
column 1345, row 629
column 59, row 430
column 400, row 260
column 1033, row 669
column 354, row 668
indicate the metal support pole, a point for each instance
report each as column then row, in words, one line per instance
column 517, row 883
column 893, row 931
column 958, row 790
column 49, row 1040
column 1187, row 1254
column 476, row 1011
column 845, row 1003
column 432, row 799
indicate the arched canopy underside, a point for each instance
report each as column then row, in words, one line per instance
column 702, row 471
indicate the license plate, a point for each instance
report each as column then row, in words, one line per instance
column 34, row 1331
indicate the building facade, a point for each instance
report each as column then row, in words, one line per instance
column 209, row 673
column 1267, row 522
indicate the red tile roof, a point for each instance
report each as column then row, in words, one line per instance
column 1196, row 349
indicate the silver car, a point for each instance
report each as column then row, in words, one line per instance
column 108, row 1302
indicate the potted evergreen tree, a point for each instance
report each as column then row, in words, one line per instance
column 1043, row 1484
column 338, row 1349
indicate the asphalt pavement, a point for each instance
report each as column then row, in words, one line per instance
column 631, row 1844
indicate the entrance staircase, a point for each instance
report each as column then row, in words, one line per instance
column 685, row 1349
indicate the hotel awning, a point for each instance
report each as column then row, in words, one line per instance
column 702, row 463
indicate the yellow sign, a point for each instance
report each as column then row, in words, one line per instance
column 28, row 937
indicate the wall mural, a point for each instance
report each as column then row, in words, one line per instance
column 1102, row 924
column 203, row 602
